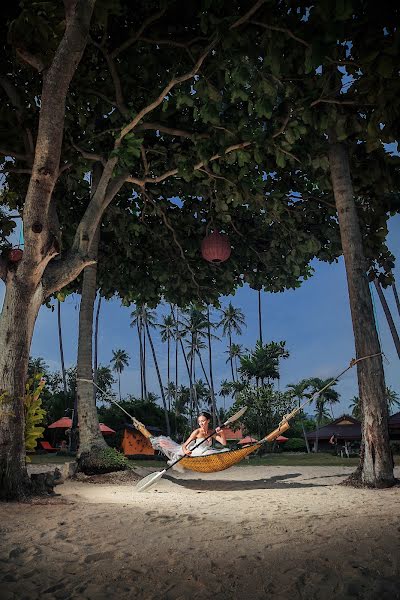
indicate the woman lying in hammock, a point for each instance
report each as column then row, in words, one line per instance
column 173, row 450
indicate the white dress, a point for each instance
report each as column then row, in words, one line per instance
column 173, row 450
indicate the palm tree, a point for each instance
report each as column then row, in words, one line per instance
column 263, row 362
column 60, row 342
column 329, row 396
column 137, row 320
column 297, row 391
column 392, row 398
column 232, row 322
column 225, row 389
column 119, row 361
column 388, row 315
column 148, row 318
column 167, row 328
column 234, row 353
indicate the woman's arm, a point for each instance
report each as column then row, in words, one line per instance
column 220, row 436
column 191, row 437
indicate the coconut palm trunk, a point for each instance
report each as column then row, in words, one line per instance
column 388, row 316
column 210, row 363
column 396, row 297
column 90, row 436
column 376, row 468
column 139, row 332
column 167, row 424
column 260, row 336
column 60, row 343
column 230, row 355
column 96, row 346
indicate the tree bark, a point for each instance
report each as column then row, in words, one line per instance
column 21, row 306
column 24, row 285
column 376, row 469
column 388, row 316
column 89, row 431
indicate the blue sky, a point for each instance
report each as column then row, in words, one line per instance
column 314, row 320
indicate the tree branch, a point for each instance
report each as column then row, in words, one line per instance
column 3, row 268
column 288, row 153
column 89, row 155
column 170, row 130
column 60, row 272
column 17, row 170
column 168, row 42
column 32, row 60
column 175, row 81
column 120, row 102
column 247, row 15
column 328, row 101
column 135, row 37
column 142, row 182
column 13, row 154
column 283, row 30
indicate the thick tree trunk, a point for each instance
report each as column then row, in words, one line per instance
column 89, row 432
column 21, row 306
column 376, row 469
column 388, row 316
column 24, row 289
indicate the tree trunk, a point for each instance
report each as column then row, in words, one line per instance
column 305, row 437
column 90, row 435
column 60, row 342
column 388, row 316
column 230, row 356
column 168, row 373
column 24, row 287
column 214, row 403
column 159, row 379
column 259, row 318
column 139, row 331
column 20, row 309
column 376, row 469
column 396, row 297
column 96, row 346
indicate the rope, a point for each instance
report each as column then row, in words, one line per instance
column 352, row 363
column 135, row 422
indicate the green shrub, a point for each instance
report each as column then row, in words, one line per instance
column 34, row 413
column 102, row 460
column 295, row 445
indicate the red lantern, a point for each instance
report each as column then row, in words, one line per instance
column 15, row 255
column 215, row 248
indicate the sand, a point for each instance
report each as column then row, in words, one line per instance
column 249, row 532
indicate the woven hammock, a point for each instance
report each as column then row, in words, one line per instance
column 219, row 461
column 211, row 463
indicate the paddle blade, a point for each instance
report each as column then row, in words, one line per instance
column 236, row 416
column 147, row 481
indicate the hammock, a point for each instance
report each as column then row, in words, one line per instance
column 217, row 461
column 212, row 463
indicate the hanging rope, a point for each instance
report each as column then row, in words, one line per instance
column 352, row 363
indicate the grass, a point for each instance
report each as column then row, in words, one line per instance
column 272, row 460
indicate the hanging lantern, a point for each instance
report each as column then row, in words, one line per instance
column 215, row 248
column 15, row 255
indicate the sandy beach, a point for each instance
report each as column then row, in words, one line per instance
column 248, row 532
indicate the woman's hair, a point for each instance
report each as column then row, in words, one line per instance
column 204, row 414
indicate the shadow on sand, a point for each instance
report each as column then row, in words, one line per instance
column 278, row 482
